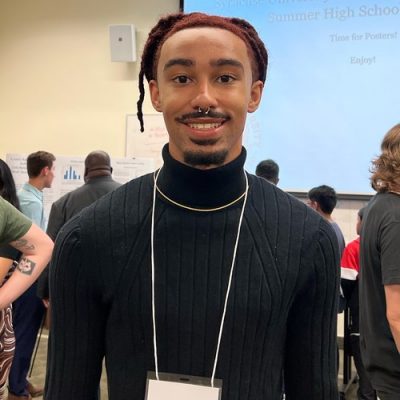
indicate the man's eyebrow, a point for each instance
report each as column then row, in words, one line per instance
column 220, row 62
column 178, row 61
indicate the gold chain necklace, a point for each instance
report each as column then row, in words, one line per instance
column 193, row 208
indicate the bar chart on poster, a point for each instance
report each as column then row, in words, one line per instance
column 332, row 86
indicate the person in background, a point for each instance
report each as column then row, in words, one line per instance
column 34, row 244
column 28, row 310
column 41, row 169
column 199, row 269
column 323, row 199
column 98, row 182
column 269, row 170
column 9, row 257
column 36, row 248
column 350, row 267
column 380, row 272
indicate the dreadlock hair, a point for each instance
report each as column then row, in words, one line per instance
column 386, row 168
column 173, row 23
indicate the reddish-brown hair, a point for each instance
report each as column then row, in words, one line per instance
column 173, row 23
column 386, row 168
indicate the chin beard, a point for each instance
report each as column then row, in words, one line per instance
column 205, row 159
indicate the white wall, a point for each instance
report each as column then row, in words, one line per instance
column 59, row 90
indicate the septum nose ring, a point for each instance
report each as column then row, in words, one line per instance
column 200, row 110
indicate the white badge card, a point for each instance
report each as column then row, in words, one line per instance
column 181, row 387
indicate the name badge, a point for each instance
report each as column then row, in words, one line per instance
column 181, row 387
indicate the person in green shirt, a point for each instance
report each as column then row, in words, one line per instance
column 36, row 246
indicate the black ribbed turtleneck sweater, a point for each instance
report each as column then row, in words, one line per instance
column 281, row 314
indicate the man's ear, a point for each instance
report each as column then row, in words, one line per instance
column 155, row 95
column 255, row 96
column 44, row 171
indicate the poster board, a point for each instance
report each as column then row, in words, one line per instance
column 149, row 143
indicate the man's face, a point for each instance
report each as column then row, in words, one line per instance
column 49, row 174
column 205, row 68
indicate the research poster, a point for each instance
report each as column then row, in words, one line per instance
column 69, row 173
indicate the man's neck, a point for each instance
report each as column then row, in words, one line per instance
column 202, row 188
column 328, row 217
column 96, row 174
column 36, row 183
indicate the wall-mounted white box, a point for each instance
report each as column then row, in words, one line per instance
column 123, row 43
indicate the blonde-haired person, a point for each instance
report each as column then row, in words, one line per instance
column 380, row 272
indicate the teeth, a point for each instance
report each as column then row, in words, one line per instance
column 205, row 126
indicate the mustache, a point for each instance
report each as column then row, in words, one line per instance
column 202, row 114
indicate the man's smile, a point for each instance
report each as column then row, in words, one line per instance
column 201, row 126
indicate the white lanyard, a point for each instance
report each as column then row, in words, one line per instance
column 227, row 290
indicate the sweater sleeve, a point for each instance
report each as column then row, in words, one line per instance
column 310, row 366
column 78, row 316
column 13, row 224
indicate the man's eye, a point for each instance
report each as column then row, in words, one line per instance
column 181, row 79
column 225, row 78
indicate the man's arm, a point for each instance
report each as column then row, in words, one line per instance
column 5, row 265
column 78, row 318
column 392, row 293
column 390, row 253
column 36, row 248
column 310, row 364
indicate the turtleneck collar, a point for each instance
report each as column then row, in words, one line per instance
column 202, row 188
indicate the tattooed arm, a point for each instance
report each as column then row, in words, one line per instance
column 36, row 247
column 5, row 265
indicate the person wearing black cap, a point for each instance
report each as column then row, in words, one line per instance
column 98, row 182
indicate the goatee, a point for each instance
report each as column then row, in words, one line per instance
column 205, row 159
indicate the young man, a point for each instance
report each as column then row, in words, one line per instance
column 269, row 170
column 199, row 269
column 98, row 182
column 41, row 168
column 28, row 310
column 323, row 200
column 380, row 273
